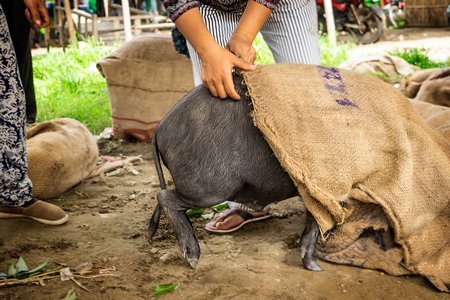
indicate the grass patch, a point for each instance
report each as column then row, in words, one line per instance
column 419, row 57
column 263, row 54
column 68, row 85
column 333, row 56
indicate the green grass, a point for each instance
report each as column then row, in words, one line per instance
column 68, row 85
column 419, row 57
column 263, row 54
column 333, row 56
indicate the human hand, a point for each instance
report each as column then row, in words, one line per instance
column 241, row 46
column 37, row 13
column 217, row 63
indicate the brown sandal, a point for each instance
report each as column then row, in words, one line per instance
column 248, row 218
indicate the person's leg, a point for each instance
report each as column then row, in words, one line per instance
column 19, row 29
column 15, row 186
column 26, row 74
column 291, row 32
column 153, row 7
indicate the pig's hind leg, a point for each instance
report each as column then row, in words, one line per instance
column 181, row 225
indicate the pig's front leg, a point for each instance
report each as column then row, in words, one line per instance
column 308, row 243
column 181, row 225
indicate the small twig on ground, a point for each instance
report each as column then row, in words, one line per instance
column 95, row 276
column 8, row 282
column 44, row 276
column 60, row 264
column 81, row 286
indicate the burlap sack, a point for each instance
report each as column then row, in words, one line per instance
column 436, row 89
column 436, row 116
column 361, row 156
column 145, row 78
column 411, row 85
column 61, row 154
column 386, row 64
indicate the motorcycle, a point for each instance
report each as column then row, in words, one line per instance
column 355, row 18
column 393, row 9
column 394, row 12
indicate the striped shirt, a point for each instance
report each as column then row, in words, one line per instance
column 175, row 8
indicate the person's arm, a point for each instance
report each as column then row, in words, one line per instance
column 217, row 62
column 241, row 41
column 37, row 13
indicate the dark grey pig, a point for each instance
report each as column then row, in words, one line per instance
column 215, row 153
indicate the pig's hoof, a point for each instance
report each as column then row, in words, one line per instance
column 312, row 266
column 191, row 252
column 193, row 262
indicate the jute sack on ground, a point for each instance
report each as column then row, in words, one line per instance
column 61, row 154
column 436, row 116
column 436, row 89
column 145, row 78
column 411, row 85
column 364, row 161
column 386, row 64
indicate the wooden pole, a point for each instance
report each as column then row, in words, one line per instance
column 106, row 5
column 126, row 19
column 47, row 38
column 69, row 19
column 331, row 28
column 384, row 20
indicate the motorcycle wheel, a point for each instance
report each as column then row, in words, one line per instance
column 371, row 28
column 394, row 13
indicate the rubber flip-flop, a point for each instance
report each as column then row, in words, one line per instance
column 248, row 218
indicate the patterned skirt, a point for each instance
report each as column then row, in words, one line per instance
column 15, row 186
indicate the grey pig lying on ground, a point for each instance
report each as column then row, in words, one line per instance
column 215, row 153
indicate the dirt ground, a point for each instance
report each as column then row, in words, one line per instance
column 107, row 228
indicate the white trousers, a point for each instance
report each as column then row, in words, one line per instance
column 291, row 32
